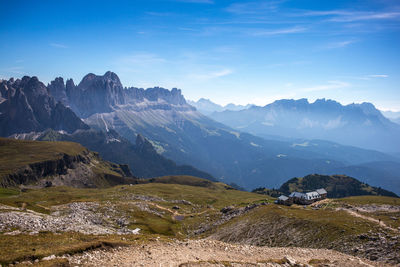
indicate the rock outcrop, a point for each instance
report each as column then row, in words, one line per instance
column 103, row 94
column 45, row 164
column 28, row 107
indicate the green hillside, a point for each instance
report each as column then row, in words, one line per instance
column 17, row 153
column 25, row 162
column 337, row 186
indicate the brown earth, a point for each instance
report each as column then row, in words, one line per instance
column 214, row 253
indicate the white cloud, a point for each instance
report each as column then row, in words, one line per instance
column 295, row 29
column 253, row 7
column 330, row 85
column 142, row 59
column 340, row 44
column 197, row 1
column 378, row 76
column 360, row 16
column 350, row 16
column 211, row 75
column 373, row 76
column 58, row 45
column 14, row 70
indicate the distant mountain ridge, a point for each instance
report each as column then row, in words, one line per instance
column 207, row 107
column 355, row 124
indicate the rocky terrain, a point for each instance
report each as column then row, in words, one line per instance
column 194, row 223
column 214, row 253
column 83, row 217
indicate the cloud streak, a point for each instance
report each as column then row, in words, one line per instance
column 340, row 44
column 330, row 85
column 196, row 1
column 252, row 8
column 295, row 29
column 58, row 45
column 211, row 75
column 352, row 16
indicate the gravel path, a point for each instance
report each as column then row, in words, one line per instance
column 380, row 223
column 212, row 253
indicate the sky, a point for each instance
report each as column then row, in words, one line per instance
column 228, row 51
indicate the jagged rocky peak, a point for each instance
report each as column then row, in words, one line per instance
column 109, row 78
column 69, row 84
column 31, row 86
column 173, row 96
column 30, row 107
column 57, row 90
column 95, row 94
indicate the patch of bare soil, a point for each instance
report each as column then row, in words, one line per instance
column 214, row 253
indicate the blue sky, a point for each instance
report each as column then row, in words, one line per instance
column 227, row 51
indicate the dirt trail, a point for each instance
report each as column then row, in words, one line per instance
column 324, row 201
column 211, row 253
column 371, row 219
column 176, row 213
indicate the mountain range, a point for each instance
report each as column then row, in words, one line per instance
column 29, row 111
column 207, row 107
column 157, row 132
column 359, row 125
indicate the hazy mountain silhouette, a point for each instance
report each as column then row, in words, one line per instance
column 355, row 124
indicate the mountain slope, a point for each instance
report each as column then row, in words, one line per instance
column 45, row 164
column 355, row 124
column 141, row 157
column 336, row 185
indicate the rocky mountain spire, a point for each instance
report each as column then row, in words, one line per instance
column 29, row 107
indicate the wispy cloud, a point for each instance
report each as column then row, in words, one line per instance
column 251, row 8
column 58, row 45
column 286, row 64
column 210, row 75
column 330, row 85
column 339, row 44
column 142, row 59
column 160, row 14
column 373, row 76
column 295, row 29
column 14, row 70
column 196, row 1
column 378, row 76
column 360, row 16
column 352, row 16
